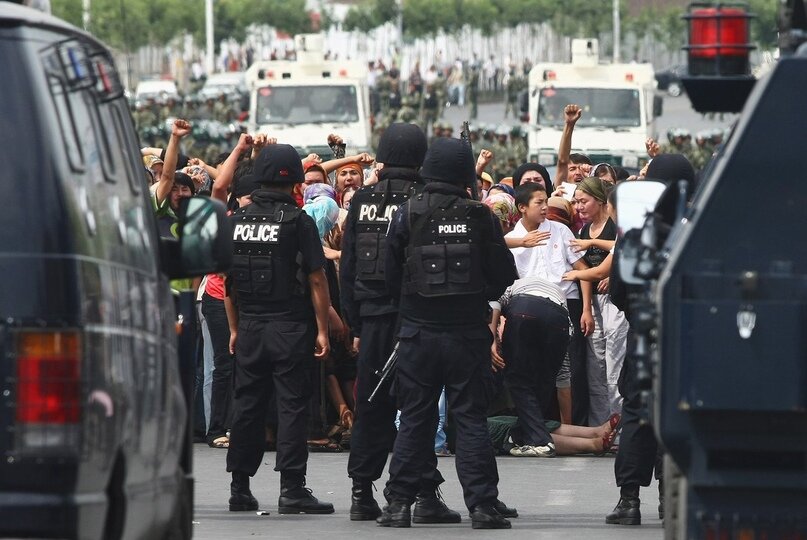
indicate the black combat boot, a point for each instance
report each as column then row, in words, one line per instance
column 485, row 516
column 430, row 508
column 362, row 503
column 295, row 498
column 395, row 514
column 626, row 511
column 241, row 499
column 505, row 510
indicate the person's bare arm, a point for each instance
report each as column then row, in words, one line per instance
column 582, row 244
column 225, row 177
column 485, row 157
column 363, row 159
column 587, row 319
column 572, row 114
column 211, row 171
column 232, row 320
column 533, row 238
column 321, row 300
column 596, row 273
column 179, row 129
column 496, row 359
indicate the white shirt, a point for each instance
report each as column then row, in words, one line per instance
column 550, row 261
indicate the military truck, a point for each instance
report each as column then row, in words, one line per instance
column 301, row 101
column 619, row 107
column 724, row 293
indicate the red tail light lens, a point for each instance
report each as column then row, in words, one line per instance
column 48, row 378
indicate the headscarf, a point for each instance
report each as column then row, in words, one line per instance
column 314, row 191
column 560, row 210
column 356, row 166
column 504, row 188
column 503, row 207
column 594, row 187
column 531, row 166
column 324, row 211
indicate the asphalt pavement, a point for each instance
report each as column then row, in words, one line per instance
column 557, row 498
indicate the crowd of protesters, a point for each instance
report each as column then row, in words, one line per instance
column 557, row 391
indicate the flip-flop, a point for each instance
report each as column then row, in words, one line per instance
column 614, row 421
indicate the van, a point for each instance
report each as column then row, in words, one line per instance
column 94, row 429
column 158, row 90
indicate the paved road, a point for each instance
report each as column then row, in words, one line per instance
column 560, row 498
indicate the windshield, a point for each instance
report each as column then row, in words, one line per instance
column 307, row 104
column 604, row 107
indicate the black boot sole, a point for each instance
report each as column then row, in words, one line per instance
column 623, row 521
column 488, row 525
column 436, row 519
column 396, row 524
column 298, row 510
column 365, row 516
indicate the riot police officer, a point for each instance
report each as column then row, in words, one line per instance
column 372, row 315
column 278, row 285
column 639, row 453
column 445, row 257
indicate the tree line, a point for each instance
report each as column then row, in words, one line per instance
column 129, row 24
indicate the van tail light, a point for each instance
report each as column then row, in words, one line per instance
column 48, row 392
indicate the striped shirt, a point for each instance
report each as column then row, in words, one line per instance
column 533, row 286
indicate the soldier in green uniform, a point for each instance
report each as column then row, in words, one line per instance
column 473, row 91
column 518, row 146
column 143, row 118
column 515, row 83
column 383, row 86
column 407, row 112
column 222, row 111
column 501, row 151
column 429, row 106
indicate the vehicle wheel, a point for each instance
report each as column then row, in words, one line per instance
column 674, row 89
column 116, row 501
column 674, row 501
column 181, row 525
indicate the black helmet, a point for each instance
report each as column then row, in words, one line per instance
column 278, row 164
column 402, row 145
column 449, row 160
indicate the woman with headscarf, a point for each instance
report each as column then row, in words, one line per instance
column 504, row 208
column 607, row 344
column 532, row 172
column 339, row 374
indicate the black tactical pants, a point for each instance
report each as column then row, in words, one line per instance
column 272, row 356
column 578, row 364
column 374, row 427
column 534, row 344
column 460, row 361
column 638, row 452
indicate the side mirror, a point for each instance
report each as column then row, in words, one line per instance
column 205, row 242
column 658, row 106
column 635, row 200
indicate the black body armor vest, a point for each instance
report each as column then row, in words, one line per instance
column 371, row 227
column 443, row 257
column 266, row 261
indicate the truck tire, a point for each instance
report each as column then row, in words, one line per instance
column 116, row 501
column 675, row 489
column 181, row 525
column 674, row 89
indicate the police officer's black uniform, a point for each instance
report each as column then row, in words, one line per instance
column 447, row 257
column 372, row 315
column 639, row 452
column 277, row 254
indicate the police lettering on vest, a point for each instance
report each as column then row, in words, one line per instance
column 453, row 229
column 256, row 233
column 369, row 212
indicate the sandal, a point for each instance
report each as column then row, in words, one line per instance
column 219, row 442
column 614, row 420
column 324, row 445
column 608, row 441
